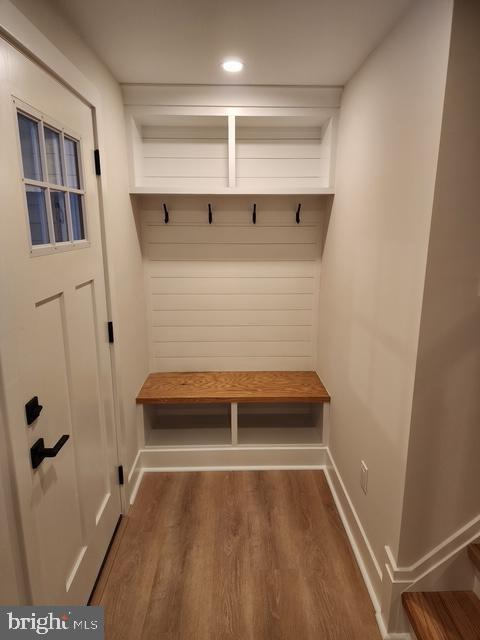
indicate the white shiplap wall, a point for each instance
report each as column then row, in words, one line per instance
column 232, row 295
column 174, row 156
column 283, row 156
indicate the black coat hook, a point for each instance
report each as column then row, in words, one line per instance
column 210, row 215
column 254, row 214
column 297, row 215
column 165, row 210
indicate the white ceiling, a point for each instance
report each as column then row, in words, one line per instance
column 281, row 41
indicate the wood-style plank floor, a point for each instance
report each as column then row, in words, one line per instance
column 254, row 555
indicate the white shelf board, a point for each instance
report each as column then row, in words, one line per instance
column 233, row 191
column 269, row 121
column 178, row 436
column 279, row 435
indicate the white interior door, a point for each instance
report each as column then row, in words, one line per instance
column 53, row 340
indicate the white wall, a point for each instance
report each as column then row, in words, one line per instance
column 232, row 295
column 443, row 473
column 123, row 244
column 374, row 261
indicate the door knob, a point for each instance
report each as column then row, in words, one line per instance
column 39, row 451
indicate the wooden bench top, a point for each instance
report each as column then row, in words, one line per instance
column 233, row 386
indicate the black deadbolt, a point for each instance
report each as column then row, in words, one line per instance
column 32, row 410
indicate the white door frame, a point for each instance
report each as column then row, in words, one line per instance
column 13, row 586
column 18, row 31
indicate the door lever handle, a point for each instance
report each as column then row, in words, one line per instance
column 39, row 451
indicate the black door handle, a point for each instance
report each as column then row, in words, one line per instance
column 39, row 451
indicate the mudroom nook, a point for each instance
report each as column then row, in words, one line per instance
column 239, row 312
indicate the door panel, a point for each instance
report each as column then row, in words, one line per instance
column 54, row 345
column 59, row 530
column 90, row 434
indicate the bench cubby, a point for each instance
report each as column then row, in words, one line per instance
column 187, row 425
column 279, row 423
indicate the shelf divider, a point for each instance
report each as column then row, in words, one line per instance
column 232, row 170
column 234, row 419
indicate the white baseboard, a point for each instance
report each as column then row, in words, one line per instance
column 404, row 635
column 136, row 486
column 437, row 556
column 134, row 478
column 354, row 526
column 362, row 549
column 224, row 458
column 393, row 636
column 240, row 458
column 398, row 579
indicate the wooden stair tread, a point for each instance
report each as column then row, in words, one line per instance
column 443, row 615
column 474, row 555
column 233, row 386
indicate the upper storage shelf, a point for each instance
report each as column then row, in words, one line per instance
column 182, row 152
column 245, row 151
column 283, row 152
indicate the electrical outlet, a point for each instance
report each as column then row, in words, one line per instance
column 363, row 476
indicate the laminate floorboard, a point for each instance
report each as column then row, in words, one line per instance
column 239, row 555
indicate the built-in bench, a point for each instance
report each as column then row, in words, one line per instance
column 234, row 408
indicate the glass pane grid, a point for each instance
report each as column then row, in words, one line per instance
column 53, row 156
column 57, row 187
column 30, row 147
column 71, row 161
column 78, row 223
column 53, row 185
column 59, row 215
column 37, row 215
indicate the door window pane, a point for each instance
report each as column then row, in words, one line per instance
column 30, row 145
column 56, row 208
column 76, row 209
column 71, row 161
column 54, row 160
column 37, row 215
column 59, row 215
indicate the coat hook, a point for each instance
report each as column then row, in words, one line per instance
column 165, row 210
column 254, row 214
column 210, row 215
column 297, row 215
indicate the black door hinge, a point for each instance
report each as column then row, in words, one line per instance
column 111, row 338
column 120, row 474
column 98, row 168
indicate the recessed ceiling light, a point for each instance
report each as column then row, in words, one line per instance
column 232, row 66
